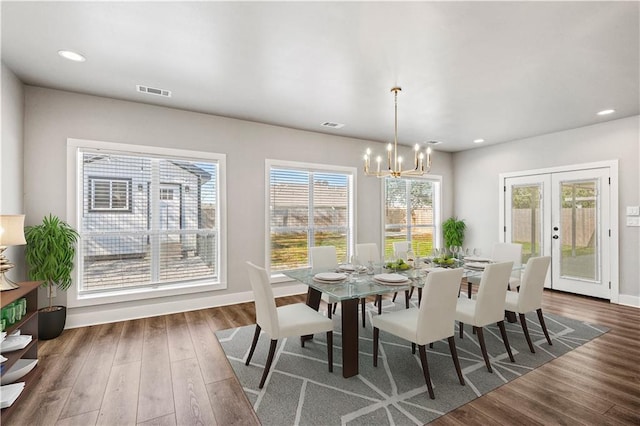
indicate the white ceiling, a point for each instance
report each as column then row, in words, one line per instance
column 499, row 71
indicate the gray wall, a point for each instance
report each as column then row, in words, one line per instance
column 52, row 116
column 476, row 180
column 11, row 161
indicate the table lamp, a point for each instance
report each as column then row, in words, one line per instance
column 11, row 234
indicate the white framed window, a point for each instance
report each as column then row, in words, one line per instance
column 307, row 205
column 151, row 221
column 109, row 194
column 412, row 209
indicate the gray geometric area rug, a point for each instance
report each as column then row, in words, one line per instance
column 301, row 391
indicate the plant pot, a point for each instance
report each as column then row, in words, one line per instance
column 51, row 323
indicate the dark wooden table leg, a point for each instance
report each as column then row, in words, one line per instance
column 313, row 300
column 349, row 338
column 511, row 316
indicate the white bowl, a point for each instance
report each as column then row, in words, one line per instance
column 18, row 370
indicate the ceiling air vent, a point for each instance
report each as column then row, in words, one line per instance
column 153, row 91
column 332, row 125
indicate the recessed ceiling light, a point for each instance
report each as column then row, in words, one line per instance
column 478, row 140
column 606, row 111
column 72, row 56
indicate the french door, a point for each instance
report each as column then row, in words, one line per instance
column 565, row 215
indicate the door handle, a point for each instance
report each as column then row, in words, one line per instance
column 555, row 237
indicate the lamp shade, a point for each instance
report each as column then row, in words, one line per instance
column 12, row 230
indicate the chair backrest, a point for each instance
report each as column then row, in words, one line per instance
column 507, row 252
column 323, row 258
column 400, row 249
column 266, row 315
column 532, row 285
column 436, row 318
column 492, row 293
column 367, row 252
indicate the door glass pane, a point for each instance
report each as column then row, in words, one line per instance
column 578, row 229
column 526, row 219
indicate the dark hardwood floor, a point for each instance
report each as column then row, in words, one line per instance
column 171, row 370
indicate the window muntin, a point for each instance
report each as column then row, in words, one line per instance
column 410, row 211
column 168, row 233
column 308, row 206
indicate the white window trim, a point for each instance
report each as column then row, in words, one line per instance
column 74, row 204
column 437, row 213
column 269, row 163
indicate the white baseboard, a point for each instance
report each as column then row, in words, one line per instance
column 102, row 314
column 627, row 300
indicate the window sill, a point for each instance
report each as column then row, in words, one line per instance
column 142, row 293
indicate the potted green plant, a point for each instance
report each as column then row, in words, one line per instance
column 453, row 232
column 49, row 254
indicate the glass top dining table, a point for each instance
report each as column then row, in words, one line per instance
column 349, row 291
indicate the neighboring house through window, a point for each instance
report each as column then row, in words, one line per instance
column 308, row 205
column 147, row 220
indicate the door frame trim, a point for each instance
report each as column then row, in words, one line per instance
column 613, row 205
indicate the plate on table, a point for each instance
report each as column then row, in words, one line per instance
column 391, row 279
column 18, row 370
column 348, row 267
column 476, row 259
column 436, row 268
column 475, row 265
column 329, row 277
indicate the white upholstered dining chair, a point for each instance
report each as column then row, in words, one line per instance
column 367, row 252
column 504, row 252
column 400, row 251
column 529, row 296
column 297, row 319
column 488, row 307
column 325, row 258
column 434, row 320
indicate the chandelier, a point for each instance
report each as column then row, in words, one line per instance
column 394, row 162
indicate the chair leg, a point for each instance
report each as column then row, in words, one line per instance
column 364, row 312
column 483, row 347
column 413, row 348
column 394, row 296
column 330, row 310
column 379, row 300
column 267, row 367
column 456, row 361
column 505, row 339
column 431, row 345
column 461, row 326
column 376, row 335
column 425, row 370
column 543, row 325
column 335, row 305
column 525, row 330
column 330, row 350
column 256, row 335
column 406, row 299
